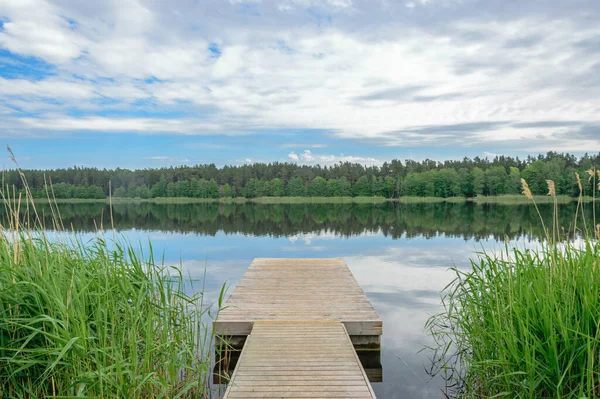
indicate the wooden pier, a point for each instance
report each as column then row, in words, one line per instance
column 303, row 319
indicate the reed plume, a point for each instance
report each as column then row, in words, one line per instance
column 526, row 189
column 528, row 194
column 555, row 224
column 551, row 188
column 591, row 172
column 579, row 204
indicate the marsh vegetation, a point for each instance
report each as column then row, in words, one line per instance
column 525, row 323
column 95, row 318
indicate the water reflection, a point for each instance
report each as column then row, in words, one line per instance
column 399, row 254
column 468, row 221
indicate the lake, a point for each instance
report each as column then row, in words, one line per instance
column 399, row 253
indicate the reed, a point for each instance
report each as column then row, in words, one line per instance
column 524, row 323
column 95, row 318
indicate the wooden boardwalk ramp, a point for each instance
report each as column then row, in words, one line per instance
column 299, row 360
column 300, row 317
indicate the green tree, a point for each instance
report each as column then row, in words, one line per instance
column 317, row 187
column 274, row 188
column 80, row 192
column 362, row 187
column 278, row 187
column 183, row 189
column 131, row 190
column 226, row 191
column 478, row 178
column 377, row 187
column 466, row 182
column 495, row 179
column 428, row 182
column 212, row 189
column 250, row 188
column 159, row 189
column 390, row 184
column 513, row 183
column 536, row 176
column 95, row 192
column 345, row 187
column 62, row 190
column 555, row 170
column 412, row 184
column 120, row 192
column 171, row 190
column 259, row 188
column 142, row 192
column 295, row 187
column 198, row 188
column 447, row 183
column 333, row 188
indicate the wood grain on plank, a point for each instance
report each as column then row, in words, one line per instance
column 291, row 290
column 298, row 314
column 313, row 369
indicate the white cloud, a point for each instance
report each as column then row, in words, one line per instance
column 36, row 27
column 396, row 86
column 49, row 88
column 307, row 156
column 489, row 154
column 138, row 125
column 328, row 159
column 170, row 160
column 288, row 5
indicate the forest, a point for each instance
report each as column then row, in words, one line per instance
column 465, row 178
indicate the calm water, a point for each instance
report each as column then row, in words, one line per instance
column 400, row 254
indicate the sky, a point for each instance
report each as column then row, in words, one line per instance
column 152, row 83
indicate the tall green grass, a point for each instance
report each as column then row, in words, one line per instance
column 95, row 319
column 524, row 323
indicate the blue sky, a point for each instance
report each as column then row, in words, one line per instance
column 151, row 83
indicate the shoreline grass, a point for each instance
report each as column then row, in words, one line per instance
column 524, row 323
column 96, row 319
column 82, row 319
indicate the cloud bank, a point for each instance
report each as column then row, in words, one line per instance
column 396, row 74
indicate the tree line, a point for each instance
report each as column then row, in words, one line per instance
column 465, row 178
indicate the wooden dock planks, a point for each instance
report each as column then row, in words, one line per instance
column 299, row 360
column 301, row 317
column 298, row 290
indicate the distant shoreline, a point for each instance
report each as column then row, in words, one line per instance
column 501, row 199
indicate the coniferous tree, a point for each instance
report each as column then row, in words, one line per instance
column 466, row 177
